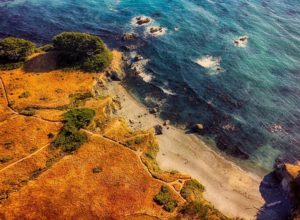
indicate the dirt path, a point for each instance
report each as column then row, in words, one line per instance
column 6, row 97
column 138, row 154
column 24, row 158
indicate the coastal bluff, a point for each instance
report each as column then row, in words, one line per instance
column 67, row 153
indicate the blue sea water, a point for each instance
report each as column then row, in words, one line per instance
column 251, row 108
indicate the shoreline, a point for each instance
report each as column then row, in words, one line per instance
column 232, row 190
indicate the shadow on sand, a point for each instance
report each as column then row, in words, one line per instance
column 44, row 62
column 277, row 204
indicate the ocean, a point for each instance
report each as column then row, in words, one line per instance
column 233, row 66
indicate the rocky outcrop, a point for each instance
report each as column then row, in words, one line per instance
column 289, row 175
column 142, row 20
column 129, row 36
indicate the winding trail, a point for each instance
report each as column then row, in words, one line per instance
column 138, row 154
column 24, row 158
column 6, row 97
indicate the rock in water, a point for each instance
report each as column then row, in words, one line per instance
column 129, row 36
column 198, row 128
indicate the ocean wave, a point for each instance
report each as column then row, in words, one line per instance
column 138, row 68
column 167, row 91
column 146, row 77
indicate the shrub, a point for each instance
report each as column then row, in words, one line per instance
column 78, row 43
column 70, row 138
column 170, row 206
column 79, row 98
column 10, row 66
column 24, row 95
column 164, row 198
column 198, row 210
column 5, row 159
column 79, row 118
column 47, row 47
column 98, row 62
column 82, row 50
column 192, row 187
column 14, row 50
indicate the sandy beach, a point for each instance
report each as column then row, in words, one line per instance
column 232, row 190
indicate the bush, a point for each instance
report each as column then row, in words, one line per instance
column 70, row 138
column 80, row 43
column 47, row 47
column 5, row 159
column 10, row 66
column 14, row 50
column 79, row 118
column 198, row 210
column 82, row 50
column 98, row 62
column 164, row 198
column 192, row 187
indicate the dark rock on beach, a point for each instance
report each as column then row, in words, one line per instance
column 158, row 129
column 198, row 128
column 116, row 76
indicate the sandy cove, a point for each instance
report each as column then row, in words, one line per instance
column 230, row 189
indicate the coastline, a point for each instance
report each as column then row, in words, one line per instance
column 229, row 188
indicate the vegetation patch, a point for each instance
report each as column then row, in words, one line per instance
column 82, row 51
column 24, row 95
column 5, row 159
column 164, row 198
column 97, row 170
column 14, row 52
column 192, row 190
column 47, row 47
column 79, row 98
column 28, row 112
column 70, row 137
column 198, row 210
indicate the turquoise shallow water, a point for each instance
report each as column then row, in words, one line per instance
column 251, row 109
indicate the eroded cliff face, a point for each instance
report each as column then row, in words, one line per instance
column 114, row 175
column 289, row 174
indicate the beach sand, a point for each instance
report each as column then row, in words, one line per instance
column 230, row 189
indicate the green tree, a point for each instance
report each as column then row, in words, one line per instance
column 82, row 50
column 14, row 51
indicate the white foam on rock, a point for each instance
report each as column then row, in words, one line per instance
column 134, row 21
column 155, row 31
column 209, row 62
column 242, row 41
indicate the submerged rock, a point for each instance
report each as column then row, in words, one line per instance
column 241, row 41
column 129, row 36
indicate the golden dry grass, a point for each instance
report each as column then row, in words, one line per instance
column 42, row 183
column 71, row 190
column 20, row 135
